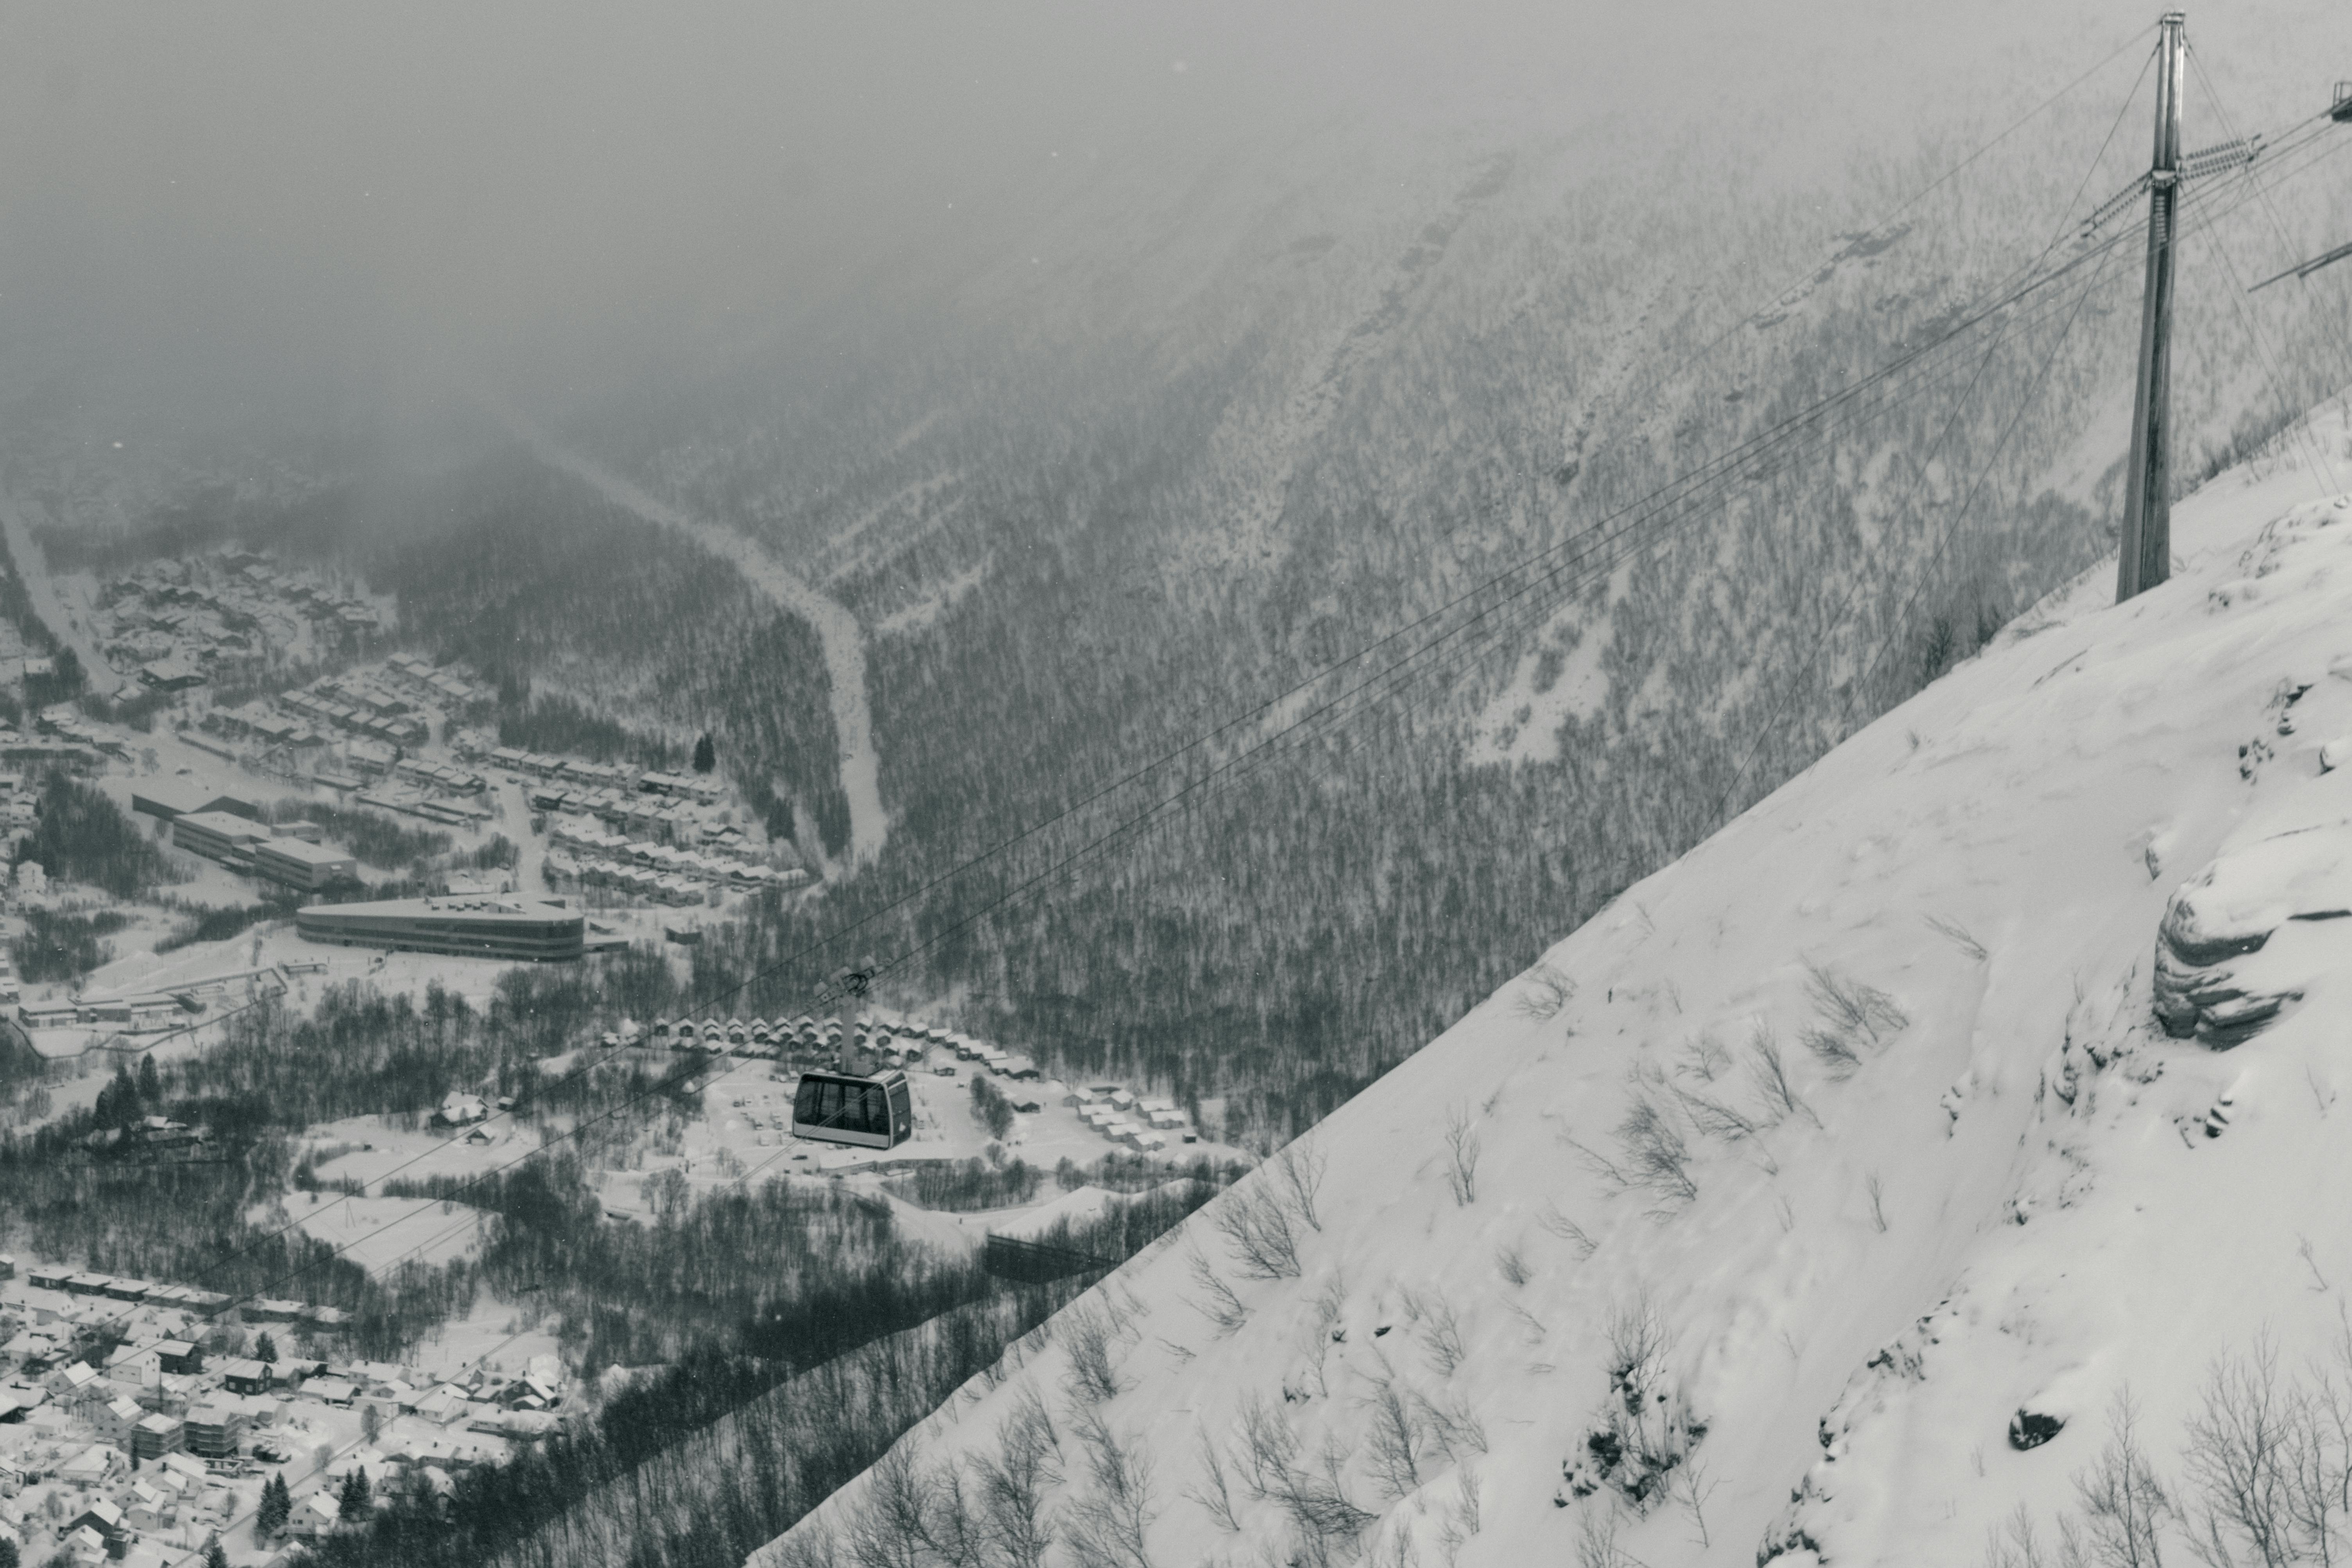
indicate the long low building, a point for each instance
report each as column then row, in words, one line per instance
column 307, row 866
column 532, row 930
column 219, row 836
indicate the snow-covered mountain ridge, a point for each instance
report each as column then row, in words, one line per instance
column 1852, row 1142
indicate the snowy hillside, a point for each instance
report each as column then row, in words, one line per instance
column 1853, row 1139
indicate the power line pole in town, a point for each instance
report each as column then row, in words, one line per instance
column 2147, row 554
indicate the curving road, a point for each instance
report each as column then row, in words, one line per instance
column 843, row 638
column 34, row 567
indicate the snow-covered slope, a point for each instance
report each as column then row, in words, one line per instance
column 1990, row 1192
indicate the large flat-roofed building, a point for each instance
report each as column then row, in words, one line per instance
column 299, row 864
column 219, row 836
column 539, row 932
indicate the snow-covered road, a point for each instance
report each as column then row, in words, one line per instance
column 27, row 552
column 844, row 640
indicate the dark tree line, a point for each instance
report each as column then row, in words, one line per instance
column 79, row 835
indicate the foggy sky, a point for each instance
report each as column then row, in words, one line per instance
column 465, row 190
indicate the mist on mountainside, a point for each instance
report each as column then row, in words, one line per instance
column 1194, row 541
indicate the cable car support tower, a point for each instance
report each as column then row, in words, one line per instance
column 2146, row 558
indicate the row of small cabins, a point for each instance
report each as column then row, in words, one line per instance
column 360, row 717
column 758, row 1036
column 702, row 790
column 620, row 853
column 183, row 1298
column 445, row 687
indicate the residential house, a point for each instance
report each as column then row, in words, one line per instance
column 246, row 1375
column 313, row 1516
column 152, row 1436
column 215, row 1431
column 114, row 1419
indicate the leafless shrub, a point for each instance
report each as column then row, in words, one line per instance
column 1713, row 1117
column 1512, row 1262
column 1393, row 1440
column 1269, row 1446
column 1453, row 1425
column 2239, row 1463
column 1877, row 1192
column 1258, row 1223
column 2121, row 1498
column 1441, row 1332
column 1213, row 1491
column 1853, row 1009
column 1646, row 1429
column 1596, row 1542
column 811, row 1546
column 1568, row 1230
column 1462, row 1156
column 1690, row 1487
column 1215, row 1299
column 1958, row 938
column 1299, row 1172
column 1769, row 1072
column 1545, row 992
column 1460, row 1521
column 1837, row 1058
column 1706, row 1057
column 1107, row 1524
column 1087, row 1333
column 2013, row 1544
column 1657, row 1157
column 1317, row 1503
column 890, row 1526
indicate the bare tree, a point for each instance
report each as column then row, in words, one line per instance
column 2238, row 1462
column 1216, row 1301
column 1258, row 1225
column 1393, row 1440
column 1441, row 1332
column 1830, row 1048
column 1568, row 1230
column 889, row 1528
column 1088, row 1333
column 1013, row 1484
column 1107, row 1524
column 1462, row 1156
column 1770, row 1072
column 1453, row 1425
column 1546, row 989
column 1853, row 1009
column 1299, row 1168
column 2120, row 1497
column 1268, row 1445
column 1212, row 1492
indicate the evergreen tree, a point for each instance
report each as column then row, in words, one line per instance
column 8, row 1558
column 706, row 756
column 276, row 1507
column 118, row 1102
column 266, row 1352
column 216, row 1555
column 355, row 1497
column 150, row 1087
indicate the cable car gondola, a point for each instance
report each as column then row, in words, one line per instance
column 871, row 1113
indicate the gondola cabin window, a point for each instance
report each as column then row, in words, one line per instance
column 845, row 1108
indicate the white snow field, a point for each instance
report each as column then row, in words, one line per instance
column 1996, row 1184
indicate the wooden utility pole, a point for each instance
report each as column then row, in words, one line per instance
column 2147, row 554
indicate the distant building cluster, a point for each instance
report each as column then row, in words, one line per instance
column 657, row 872
column 149, row 1012
column 571, row 784
column 130, row 1429
column 229, row 829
